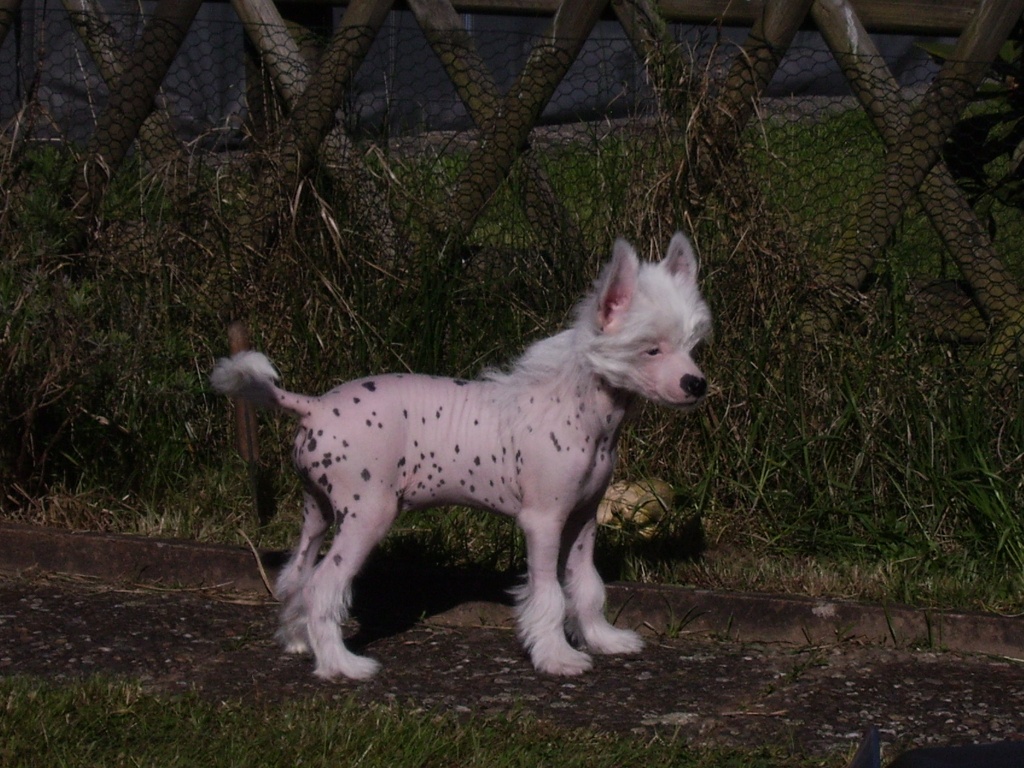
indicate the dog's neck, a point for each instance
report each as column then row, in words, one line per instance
column 617, row 405
column 603, row 407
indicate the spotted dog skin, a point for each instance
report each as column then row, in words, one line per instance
column 449, row 442
column 536, row 442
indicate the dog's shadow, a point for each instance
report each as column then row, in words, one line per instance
column 394, row 592
column 391, row 595
column 397, row 589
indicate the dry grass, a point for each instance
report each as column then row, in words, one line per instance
column 869, row 464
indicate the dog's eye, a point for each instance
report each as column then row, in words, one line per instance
column 654, row 351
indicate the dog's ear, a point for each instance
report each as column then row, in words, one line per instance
column 681, row 259
column 617, row 286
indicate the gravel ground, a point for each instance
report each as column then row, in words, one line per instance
column 811, row 699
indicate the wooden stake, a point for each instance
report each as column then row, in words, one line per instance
column 245, row 414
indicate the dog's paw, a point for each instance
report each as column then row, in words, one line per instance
column 610, row 640
column 353, row 667
column 296, row 647
column 565, row 663
column 293, row 641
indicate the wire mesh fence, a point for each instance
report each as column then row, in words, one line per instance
column 85, row 78
column 424, row 190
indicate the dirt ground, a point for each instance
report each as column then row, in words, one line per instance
column 812, row 699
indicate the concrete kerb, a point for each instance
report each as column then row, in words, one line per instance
column 658, row 610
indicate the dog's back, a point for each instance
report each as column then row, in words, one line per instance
column 421, row 440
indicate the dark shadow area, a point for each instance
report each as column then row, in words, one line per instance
column 264, row 489
column 1002, row 754
column 393, row 594
column 685, row 541
column 406, row 582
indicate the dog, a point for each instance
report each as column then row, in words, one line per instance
column 536, row 442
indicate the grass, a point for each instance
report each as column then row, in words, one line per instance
column 872, row 464
column 104, row 723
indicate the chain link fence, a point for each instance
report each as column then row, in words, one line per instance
column 423, row 190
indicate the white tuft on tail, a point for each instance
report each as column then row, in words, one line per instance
column 248, row 375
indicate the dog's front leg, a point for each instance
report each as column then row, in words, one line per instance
column 540, row 609
column 586, row 595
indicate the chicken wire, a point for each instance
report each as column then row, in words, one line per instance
column 809, row 137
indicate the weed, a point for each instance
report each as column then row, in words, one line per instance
column 870, row 464
column 100, row 723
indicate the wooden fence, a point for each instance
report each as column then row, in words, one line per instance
column 313, row 90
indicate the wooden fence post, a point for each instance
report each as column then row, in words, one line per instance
column 753, row 68
column 247, row 438
column 995, row 290
column 909, row 161
column 265, row 27
column 131, row 101
column 313, row 115
column 659, row 53
column 156, row 136
column 719, row 130
column 454, row 46
column 505, row 138
column 311, row 97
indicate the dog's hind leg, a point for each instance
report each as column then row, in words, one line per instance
column 585, row 595
column 317, row 519
column 540, row 608
column 328, row 592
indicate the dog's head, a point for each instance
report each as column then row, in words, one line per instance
column 648, row 321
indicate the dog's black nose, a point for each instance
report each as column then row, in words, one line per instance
column 694, row 385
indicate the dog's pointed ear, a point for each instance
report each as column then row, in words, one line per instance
column 681, row 260
column 617, row 286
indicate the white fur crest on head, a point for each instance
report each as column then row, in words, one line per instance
column 619, row 280
column 639, row 327
column 633, row 307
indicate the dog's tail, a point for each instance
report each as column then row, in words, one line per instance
column 251, row 376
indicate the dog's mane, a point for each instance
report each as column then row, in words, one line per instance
column 553, row 357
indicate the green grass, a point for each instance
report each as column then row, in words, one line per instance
column 871, row 464
column 100, row 723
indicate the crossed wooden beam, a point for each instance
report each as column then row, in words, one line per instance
column 134, row 84
column 913, row 134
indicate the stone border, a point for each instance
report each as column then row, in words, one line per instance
column 744, row 617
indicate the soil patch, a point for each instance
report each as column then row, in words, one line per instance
column 808, row 675
column 814, row 699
